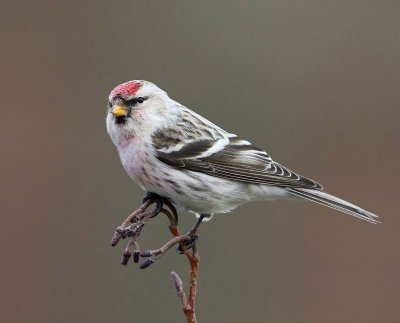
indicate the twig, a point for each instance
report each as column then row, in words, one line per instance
column 132, row 227
column 189, row 306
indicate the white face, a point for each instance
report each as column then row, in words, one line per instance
column 135, row 108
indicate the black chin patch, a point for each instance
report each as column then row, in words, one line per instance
column 121, row 119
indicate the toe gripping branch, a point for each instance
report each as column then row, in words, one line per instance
column 133, row 225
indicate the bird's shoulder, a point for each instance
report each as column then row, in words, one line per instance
column 188, row 127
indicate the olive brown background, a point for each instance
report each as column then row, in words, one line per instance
column 315, row 83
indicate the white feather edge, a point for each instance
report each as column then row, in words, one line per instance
column 218, row 146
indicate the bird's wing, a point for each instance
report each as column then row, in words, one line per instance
column 227, row 156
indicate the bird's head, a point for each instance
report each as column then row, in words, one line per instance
column 135, row 107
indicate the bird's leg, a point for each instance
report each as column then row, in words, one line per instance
column 197, row 224
column 192, row 234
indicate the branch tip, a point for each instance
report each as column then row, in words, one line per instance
column 177, row 281
column 116, row 237
column 146, row 263
column 125, row 257
column 136, row 256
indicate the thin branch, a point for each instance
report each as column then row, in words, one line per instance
column 132, row 227
column 189, row 309
column 168, row 245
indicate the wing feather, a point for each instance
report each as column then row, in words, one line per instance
column 226, row 156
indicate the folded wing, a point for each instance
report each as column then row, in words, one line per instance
column 229, row 157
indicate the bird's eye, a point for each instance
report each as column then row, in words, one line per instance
column 134, row 101
column 110, row 104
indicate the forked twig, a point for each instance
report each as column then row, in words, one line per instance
column 132, row 227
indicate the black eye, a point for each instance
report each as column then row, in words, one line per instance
column 134, row 101
column 110, row 104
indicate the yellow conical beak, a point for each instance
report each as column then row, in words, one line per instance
column 119, row 111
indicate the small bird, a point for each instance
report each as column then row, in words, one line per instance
column 172, row 151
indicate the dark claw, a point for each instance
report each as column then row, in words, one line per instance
column 188, row 244
column 159, row 206
column 129, row 232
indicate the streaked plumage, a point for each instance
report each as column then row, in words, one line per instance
column 172, row 151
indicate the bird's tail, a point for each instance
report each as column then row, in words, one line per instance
column 334, row 202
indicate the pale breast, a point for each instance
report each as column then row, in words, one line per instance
column 139, row 163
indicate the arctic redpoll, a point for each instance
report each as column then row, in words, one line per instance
column 176, row 153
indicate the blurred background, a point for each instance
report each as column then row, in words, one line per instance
column 315, row 83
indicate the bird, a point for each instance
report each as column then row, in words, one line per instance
column 172, row 151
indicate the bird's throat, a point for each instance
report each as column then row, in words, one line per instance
column 121, row 119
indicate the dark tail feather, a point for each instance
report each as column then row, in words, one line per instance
column 334, row 202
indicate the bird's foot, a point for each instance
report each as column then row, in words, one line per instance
column 136, row 220
column 155, row 198
column 133, row 225
column 189, row 244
